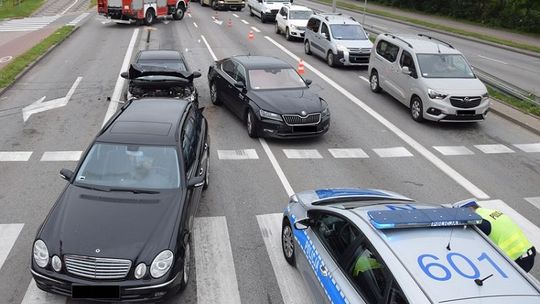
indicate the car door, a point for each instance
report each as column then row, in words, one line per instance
column 325, row 39
column 313, row 36
column 239, row 99
column 406, row 82
column 281, row 19
column 227, row 81
column 387, row 54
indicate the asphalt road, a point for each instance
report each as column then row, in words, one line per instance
column 237, row 215
column 521, row 70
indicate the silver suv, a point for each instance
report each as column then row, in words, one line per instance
column 429, row 76
column 337, row 38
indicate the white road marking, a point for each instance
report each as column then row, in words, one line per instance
column 195, row 24
column 189, row 15
column 364, row 78
column 27, row 24
column 494, row 149
column 277, row 167
column 437, row 162
column 453, row 150
column 8, row 235
column 255, row 29
column 209, row 48
column 302, row 153
column 216, row 276
column 69, row 7
column 237, row 154
column 235, row 15
column 15, row 155
column 393, row 152
column 61, row 156
column 6, row 59
column 41, row 106
column 290, row 281
column 492, row 59
column 530, row 148
column 78, row 19
column 348, row 153
column 531, row 230
column 119, row 86
column 534, row 201
column 34, row 295
column 244, row 21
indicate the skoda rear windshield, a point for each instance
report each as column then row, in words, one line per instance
column 444, row 66
column 348, row 32
column 130, row 166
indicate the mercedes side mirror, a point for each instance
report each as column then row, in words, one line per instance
column 195, row 182
column 307, row 81
column 66, row 174
column 302, row 224
column 124, row 75
column 405, row 70
column 196, row 74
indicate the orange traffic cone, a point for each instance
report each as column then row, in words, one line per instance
column 251, row 36
column 229, row 23
column 301, row 70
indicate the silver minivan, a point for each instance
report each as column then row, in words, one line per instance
column 337, row 38
column 429, row 76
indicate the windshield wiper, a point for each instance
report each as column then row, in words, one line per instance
column 92, row 188
column 136, row 191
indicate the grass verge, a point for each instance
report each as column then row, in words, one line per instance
column 93, row 3
column 524, row 106
column 10, row 71
column 360, row 9
column 10, row 9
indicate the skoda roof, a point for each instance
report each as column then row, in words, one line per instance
column 254, row 62
column 423, row 44
column 160, row 54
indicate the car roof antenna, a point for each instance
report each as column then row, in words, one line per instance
column 480, row 282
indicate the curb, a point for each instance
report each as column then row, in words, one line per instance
column 35, row 62
column 535, row 128
column 502, row 46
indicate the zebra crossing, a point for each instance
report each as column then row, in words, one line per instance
column 213, row 254
column 27, row 24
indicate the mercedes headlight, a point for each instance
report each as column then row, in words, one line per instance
column 485, row 96
column 436, row 95
column 161, row 264
column 341, row 48
column 41, row 254
column 140, row 271
column 270, row 115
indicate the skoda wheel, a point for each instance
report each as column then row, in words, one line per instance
column 207, row 173
column 251, row 124
column 307, row 49
column 330, row 59
column 185, row 271
column 214, row 94
column 417, row 111
column 287, row 242
column 374, row 82
column 149, row 17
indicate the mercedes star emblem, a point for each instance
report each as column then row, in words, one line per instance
column 98, row 250
column 303, row 113
column 466, row 99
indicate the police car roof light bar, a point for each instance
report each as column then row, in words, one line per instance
column 432, row 217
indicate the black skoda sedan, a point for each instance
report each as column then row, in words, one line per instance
column 121, row 229
column 269, row 96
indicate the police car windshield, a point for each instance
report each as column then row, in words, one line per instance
column 300, row 15
column 444, row 66
column 168, row 64
column 348, row 32
column 275, row 78
column 131, row 166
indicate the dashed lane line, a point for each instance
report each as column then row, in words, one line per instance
column 78, row 19
column 255, row 29
column 15, row 156
column 348, row 153
column 61, row 156
column 237, row 154
column 302, row 153
column 529, row 148
column 8, row 235
column 393, row 152
column 494, row 149
column 195, row 24
column 235, row 15
column 244, row 21
column 189, row 15
column 535, row 201
column 453, row 150
column 364, row 78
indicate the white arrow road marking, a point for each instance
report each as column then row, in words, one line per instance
column 40, row 106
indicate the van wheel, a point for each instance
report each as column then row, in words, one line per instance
column 330, row 59
column 417, row 111
column 374, row 82
column 149, row 18
column 307, row 49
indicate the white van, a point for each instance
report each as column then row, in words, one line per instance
column 266, row 9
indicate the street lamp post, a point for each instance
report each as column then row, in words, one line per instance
column 364, row 16
column 334, row 6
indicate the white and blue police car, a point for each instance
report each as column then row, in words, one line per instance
column 374, row 246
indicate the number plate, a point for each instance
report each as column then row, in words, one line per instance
column 306, row 129
column 95, row 292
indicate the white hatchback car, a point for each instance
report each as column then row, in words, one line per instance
column 292, row 20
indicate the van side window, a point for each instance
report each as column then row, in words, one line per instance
column 407, row 60
column 313, row 24
column 387, row 50
column 324, row 30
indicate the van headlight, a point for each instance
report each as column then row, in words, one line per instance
column 161, row 264
column 270, row 115
column 436, row 95
column 341, row 48
column 41, row 254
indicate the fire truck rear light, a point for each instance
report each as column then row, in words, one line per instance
column 126, row 7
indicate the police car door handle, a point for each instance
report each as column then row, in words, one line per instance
column 324, row 270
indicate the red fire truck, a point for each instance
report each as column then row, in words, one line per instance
column 129, row 11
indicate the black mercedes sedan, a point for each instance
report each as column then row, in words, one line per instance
column 121, row 228
column 269, row 96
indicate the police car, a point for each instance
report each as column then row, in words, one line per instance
column 374, row 246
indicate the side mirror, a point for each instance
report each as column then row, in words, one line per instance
column 324, row 35
column 405, row 70
column 195, row 182
column 307, row 81
column 124, row 75
column 196, row 74
column 302, row 224
column 260, row 1
column 240, row 85
column 66, row 174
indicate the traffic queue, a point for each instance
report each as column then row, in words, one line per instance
column 142, row 179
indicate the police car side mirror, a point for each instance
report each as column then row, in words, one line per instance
column 124, row 75
column 302, row 224
column 405, row 70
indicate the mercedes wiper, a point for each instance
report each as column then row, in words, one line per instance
column 136, row 191
column 92, row 187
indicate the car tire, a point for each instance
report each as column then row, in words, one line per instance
column 214, row 5
column 251, row 124
column 149, row 17
column 251, row 12
column 263, row 18
column 287, row 242
column 185, row 269
column 214, row 98
column 278, row 31
column 288, row 34
column 179, row 14
column 307, row 48
column 330, row 59
column 374, row 82
column 417, row 109
column 207, row 172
